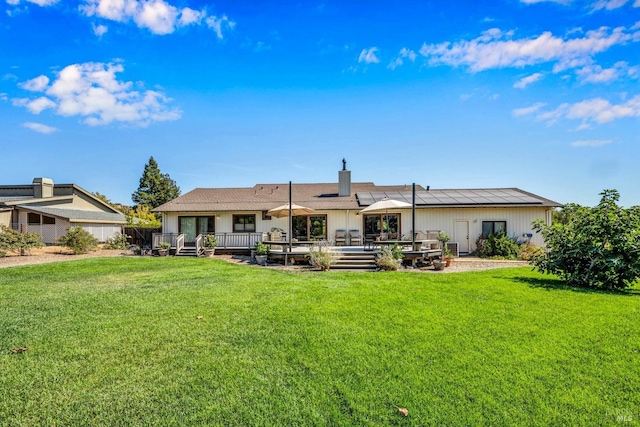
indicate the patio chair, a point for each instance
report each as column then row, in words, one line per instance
column 341, row 237
column 355, row 238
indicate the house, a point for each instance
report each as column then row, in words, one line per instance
column 49, row 209
column 239, row 216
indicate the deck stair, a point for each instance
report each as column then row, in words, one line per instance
column 355, row 261
column 187, row 251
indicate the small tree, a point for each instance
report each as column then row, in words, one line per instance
column 79, row 240
column 141, row 217
column 155, row 188
column 594, row 247
column 22, row 243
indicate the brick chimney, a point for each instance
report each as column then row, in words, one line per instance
column 42, row 188
column 344, row 180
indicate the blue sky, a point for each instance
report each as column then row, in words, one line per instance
column 540, row 95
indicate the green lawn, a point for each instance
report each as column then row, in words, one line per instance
column 119, row 341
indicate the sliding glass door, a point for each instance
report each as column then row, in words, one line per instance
column 192, row 226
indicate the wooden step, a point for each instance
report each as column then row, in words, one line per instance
column 355, row 261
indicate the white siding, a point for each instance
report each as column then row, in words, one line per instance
column 518, row 220
column 101, row 231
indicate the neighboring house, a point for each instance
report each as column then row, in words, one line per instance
column 234, row 213
column 49, row 209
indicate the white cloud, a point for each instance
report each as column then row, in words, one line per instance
column 528, row 110
column 596, row 110
column 597, row 74
column 526, row 81
column 608, row 4
column 35, row 85
column 92, row 91
column 39, row 127
column 497, row 49
column 190, row 16
column 100, row 30
column 158, row 16
column 35, row 106
column 368, row 56
column 591, row 143
column 219, row 24
column 42, row 3
column 402, row 55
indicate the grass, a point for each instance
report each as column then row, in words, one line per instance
column 121, row 342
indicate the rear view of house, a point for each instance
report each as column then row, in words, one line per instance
column 49, row 209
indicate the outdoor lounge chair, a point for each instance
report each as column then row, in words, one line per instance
column 355, row 238
column 341, row 237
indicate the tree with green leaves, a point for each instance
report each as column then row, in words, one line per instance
column 593, row 247
column 142, row 217
column 155, row 188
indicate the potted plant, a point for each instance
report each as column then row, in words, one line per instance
column 448, row 257
column 262, row 253
column 446, row 253
column 163, row 248
column 210, row 242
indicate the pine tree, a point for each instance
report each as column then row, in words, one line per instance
column 155, row 188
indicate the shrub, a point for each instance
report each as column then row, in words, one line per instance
column 79, row 240
column 321, row 256
column 499, row 246
column 504, row 246
column 388, row 260
column 529, row 250
column 22, row 243
column 210, row 241
column 594, row 247
column 164, row 245
column 117, row 241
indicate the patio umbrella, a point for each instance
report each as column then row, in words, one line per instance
column 386, row 204
column 290, row 209
column 283, row 211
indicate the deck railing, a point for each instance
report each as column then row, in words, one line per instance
column 179, row 243
column 238, row 240
column 172, row 238
column 225, row 240
column 199, row 244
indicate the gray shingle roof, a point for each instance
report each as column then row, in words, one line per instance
column 14, row 198
column 76, row 214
